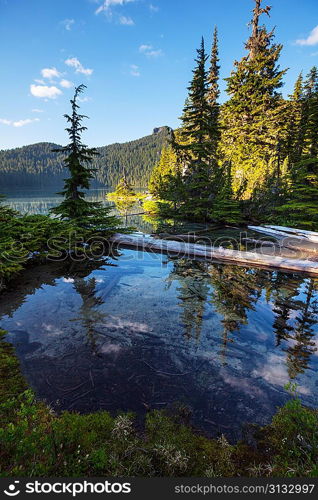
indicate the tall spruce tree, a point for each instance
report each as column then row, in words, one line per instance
column 78, row 161
column 295, row 139
column 165, row 168
column 124, row 188
column 311, row 114
column 195, row 149
column 301, row 207
column 254, row 117
column 213, row 93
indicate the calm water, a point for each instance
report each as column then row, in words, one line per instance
column 140, row 331
column 37, row 201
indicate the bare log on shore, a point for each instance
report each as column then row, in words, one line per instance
column 308, row 235
column 182, row 249
column 295, row 239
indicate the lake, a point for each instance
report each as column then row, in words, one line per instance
column 138, row 331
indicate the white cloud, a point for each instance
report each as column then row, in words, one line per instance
column 21, row 123
column 50, row 73
column 153, row 8
column 145, row 48
column 126, row 21
column 18, row 123
column 312, row 38
column 68, row 23
column 108, row 4
column 149, row 51
column 41, row 82
column 73, row 62
column 84, row 99
column 36, row 110
column 5, row 122
column 44, row 91
column 66, row 84
column 134, row 70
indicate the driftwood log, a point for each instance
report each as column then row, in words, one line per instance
column 182, row 249
column 308, row 235
column 305, row 242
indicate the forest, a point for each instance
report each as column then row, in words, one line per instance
column 252, row 158
column 36, row 166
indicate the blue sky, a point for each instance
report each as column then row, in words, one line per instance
column 135, row 56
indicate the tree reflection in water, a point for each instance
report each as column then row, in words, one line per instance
column 142, row 333
column 234, row 291
column 89, row 315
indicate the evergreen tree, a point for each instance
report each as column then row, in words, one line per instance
column 124, row 188
column 6, row 213
column 226, row 207
column 254, row 117
column 78, row 161
column 166, row 167
column 194, row 149
column 311, row 114
column 213, row 93
column 301, row 207
column 295, row 139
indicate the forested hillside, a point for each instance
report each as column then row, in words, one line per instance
column 36, row 165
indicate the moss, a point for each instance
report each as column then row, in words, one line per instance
column 37, row 442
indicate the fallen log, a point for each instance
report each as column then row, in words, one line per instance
column 181, row 249
column 298, row 242
column 259, row 242
column 273, row 232
column 310, row 235
column 188, row 238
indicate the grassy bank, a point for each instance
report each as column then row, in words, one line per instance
column 37, row 442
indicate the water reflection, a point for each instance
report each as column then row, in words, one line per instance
column 140, row 331
column 89, row 313
column 40, row 202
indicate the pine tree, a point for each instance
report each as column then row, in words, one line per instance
column 295, row 139
column 194, row 149
column 254, row 117
column 124, row 188
column 213, row 93
column 311, row 114
column 165, row 168
column 226, row 207
column 78, row 161
column 301, row 207
column 6, row 213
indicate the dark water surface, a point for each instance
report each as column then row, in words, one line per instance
column 144, row 331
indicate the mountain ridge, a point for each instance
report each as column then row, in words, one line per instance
column 35, row 165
